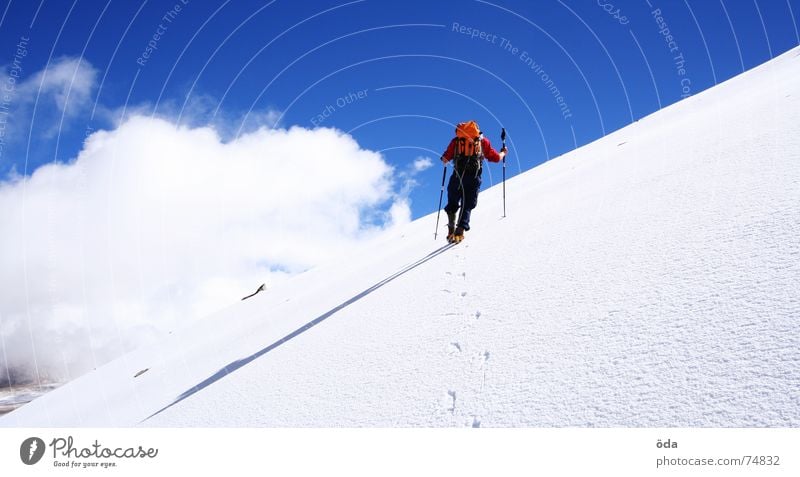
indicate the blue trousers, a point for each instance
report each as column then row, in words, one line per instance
column 462, row 192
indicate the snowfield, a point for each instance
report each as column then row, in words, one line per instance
column 651, row 278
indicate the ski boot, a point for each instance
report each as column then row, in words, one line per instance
column 451, row 226
column 458, row 235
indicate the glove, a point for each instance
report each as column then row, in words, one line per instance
column 444, row 160
column 504, row 150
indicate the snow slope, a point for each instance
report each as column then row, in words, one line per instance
column 651, row 278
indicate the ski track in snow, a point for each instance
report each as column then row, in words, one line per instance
column 655, row 284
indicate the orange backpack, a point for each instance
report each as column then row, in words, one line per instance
column 468, row 140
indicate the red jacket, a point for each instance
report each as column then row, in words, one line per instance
column 488, row 152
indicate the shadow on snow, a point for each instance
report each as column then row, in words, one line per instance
column 231, row 367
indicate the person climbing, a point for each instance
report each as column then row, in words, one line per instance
column 467, row 151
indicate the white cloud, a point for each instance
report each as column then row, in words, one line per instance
column 68, row 82
column 407, row 182
column 422, row 163
column 153, row 224
column 59, row 92
column 198, row 111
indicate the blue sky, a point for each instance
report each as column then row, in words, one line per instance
column 396, row 75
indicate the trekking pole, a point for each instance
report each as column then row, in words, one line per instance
column 503, row 138
column 441, row 194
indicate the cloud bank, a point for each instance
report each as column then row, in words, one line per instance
column 155, row 224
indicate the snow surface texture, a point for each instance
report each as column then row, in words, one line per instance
column 651, row 278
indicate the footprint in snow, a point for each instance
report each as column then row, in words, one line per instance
column 463, row 293
column 456, row 346
column 479, row 360
column 452, row 396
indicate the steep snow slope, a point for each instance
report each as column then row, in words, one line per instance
column 651, row 278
